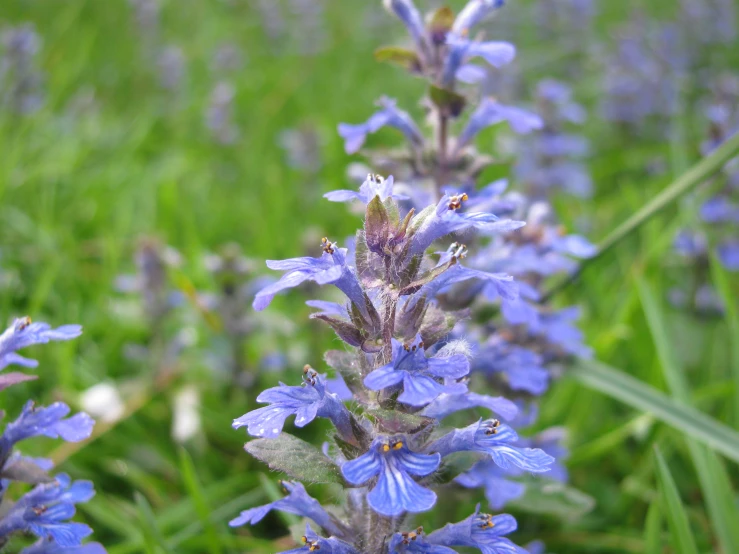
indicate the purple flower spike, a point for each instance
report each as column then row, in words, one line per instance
column 330, row 269
column 297, row 502
column 315, row 543
column 48, row 422
column 480, row 531
column 44, row 511
column 373, row 186
column 493, row 438
column 389, row 459
column 474, row 12
column 423, row 378
column 490, row 112
column 728, row 255
column 23, row 333
column 355, row 135
column 305, row 402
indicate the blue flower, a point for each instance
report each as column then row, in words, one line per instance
column 407, row 12
column 461, row 49
column 330, row 269
column 306, row 402
column 447, row 404
column 415, row 542
column 523, row 368
column 44, row 511
column 494, row 439
column 23, row 333
column 498, row 489
column 355, row 135
column 719, row 209
column 315, row 543
column 728, row 254
column 48, row 422
column 480, row 531
column 491, row 112
column 434, row 223
column 558, row 327
column 474, row 12
column 391, row 461
column 48, row 546
column 423, row 378
column 373, row 186
column 297, row 502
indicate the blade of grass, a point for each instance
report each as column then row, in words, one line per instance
column 195, row 491
column 723, row 286
column 153, row 539
column 631, row 391
column 653, row 530
column 715, row 483
column 681, row 536
column 696, row 175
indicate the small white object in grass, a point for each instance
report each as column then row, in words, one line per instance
column 103, row 402
column 186, row 422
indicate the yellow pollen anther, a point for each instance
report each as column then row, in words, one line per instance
column 398, row 445
column 25, row 322
column 327, row 245
column 314, row 547
column 455, row 202
column 304, row 539
column 386, row 448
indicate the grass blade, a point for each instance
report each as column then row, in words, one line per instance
column 631, row 391
column 195, row 491
column 681, row 536
column 653, row 529
column 723, row 286
column 714, row 481
column 696, row 175
column 153, row 539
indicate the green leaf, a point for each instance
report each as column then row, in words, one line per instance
column 296, row 458
column 393, row 421
column 544, row 496
column 713, row 478
column 641, row 396
column 653, row 529
column 449, row 102
column 153, row 539
column 723, row 285
column 376, row 225
column 681, row 536
column 202, row 509
column 403, row 57
column 26, row 471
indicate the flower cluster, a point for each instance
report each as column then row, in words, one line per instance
column 45, row 511
column 528, row 342
column 21, row 82
column 401, row 375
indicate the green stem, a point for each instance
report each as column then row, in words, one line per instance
column 696, row 175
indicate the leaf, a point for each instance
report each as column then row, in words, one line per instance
column 426, row 277
column 449, row 102
column 641, row 396
column 13, row 378
column 202, row 509
column 437, row 324
column 403, row 57
column 393, row 421
column 376, row 226
column 346, row 364
column 544, row 496
column 681, row 536
column 653, row 529
column 26, row 471
column 441, row 21
column 714, row 480
column 722, row 283
column 346, row 331
column 296, row 458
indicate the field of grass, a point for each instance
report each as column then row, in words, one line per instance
column 112, row 156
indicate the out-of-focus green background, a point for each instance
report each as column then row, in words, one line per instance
column 113, row 154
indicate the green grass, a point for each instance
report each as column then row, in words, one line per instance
column 82, row 180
